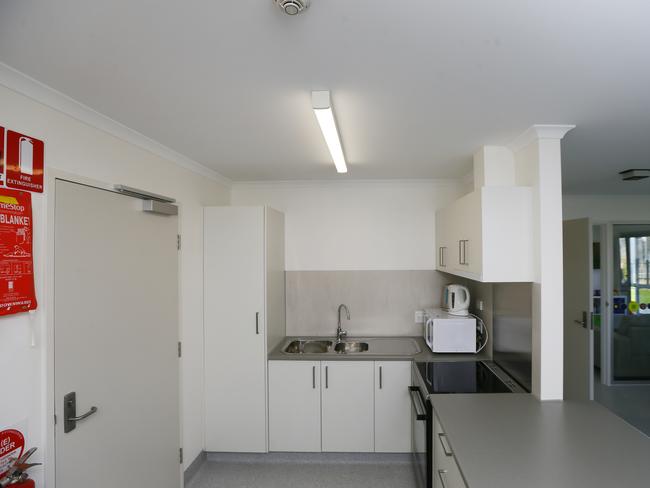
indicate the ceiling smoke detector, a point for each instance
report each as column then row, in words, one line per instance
column 635, row 174
column 292, row 7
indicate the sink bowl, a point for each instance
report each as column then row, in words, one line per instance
column 308, row 347
column 351, row 346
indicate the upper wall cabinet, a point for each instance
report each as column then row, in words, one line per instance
column 487, row 235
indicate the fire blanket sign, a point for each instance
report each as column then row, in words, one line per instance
column 24, row 162
column 12, row 444
column 16, row 261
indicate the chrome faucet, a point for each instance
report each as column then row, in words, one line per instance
column 340, row 333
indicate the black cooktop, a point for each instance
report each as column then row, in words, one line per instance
column 465, row 377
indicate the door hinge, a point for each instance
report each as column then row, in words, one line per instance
column 181, row 455
column 180, row 349
column 178, row 242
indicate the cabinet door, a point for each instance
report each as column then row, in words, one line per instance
column 446, row 473
column 392, row 406
column 347, row 406
column 294, row 406
column 235, row 343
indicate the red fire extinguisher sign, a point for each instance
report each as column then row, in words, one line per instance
column 24, row 162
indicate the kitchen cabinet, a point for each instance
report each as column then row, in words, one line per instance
column 487, row 235
column 446, row 473
column 294, row 406
column 243, row 316
column 347, row 406
column 392, row 406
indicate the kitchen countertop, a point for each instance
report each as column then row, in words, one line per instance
column 425, row 353
column 515, row 441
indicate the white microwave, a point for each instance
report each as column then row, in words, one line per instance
column 445, row 333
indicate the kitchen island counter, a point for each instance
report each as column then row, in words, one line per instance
column 515, row 441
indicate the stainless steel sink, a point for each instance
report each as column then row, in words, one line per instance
column 350, row 347
column 308, row 347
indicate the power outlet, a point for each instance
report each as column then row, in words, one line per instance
column 479, row 305
column 419, row 316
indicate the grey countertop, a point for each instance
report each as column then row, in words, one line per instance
column 425, row 353
column 515, row 441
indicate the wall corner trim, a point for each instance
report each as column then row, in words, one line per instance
column 27, row 86
column 539, row 131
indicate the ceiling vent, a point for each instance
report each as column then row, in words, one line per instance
column 635, row 174
column 292, row 7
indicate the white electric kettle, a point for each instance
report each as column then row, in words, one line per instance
column 455, row 300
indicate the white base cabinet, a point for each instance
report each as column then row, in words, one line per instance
column 392, row 406
column 339, row 406
column 294, row 406
column 446, row 473
column 347, row 406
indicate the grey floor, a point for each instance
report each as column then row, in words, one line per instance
column 298, row 470
column 630, row 402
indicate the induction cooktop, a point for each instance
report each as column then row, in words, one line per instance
column 466, row 377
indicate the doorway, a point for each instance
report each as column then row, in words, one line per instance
column 116, row 371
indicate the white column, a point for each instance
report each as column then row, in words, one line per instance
column 538, row 163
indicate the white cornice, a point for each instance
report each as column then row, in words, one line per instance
column 34, row 89
column 539, row 131
column 428, row 182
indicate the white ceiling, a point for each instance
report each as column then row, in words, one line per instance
column 417, row 86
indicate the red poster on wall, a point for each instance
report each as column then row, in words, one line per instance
column 2, row 154
column 16, row 260
column 24, row 162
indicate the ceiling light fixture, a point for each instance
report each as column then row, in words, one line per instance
column 325, row 115
column 635, row 174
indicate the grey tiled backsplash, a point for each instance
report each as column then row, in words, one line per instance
column 381, row 302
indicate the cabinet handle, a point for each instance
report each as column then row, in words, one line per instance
column 442, row 474
column 257, row 323
column 445, row 445
column 465, row 261
column 381, row 383
column 441, row 257
column 313, row 377
column 327, row 382
column 460, row 252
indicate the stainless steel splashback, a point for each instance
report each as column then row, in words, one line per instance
column 513, row 330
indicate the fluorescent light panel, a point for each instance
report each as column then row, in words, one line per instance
column 325, row 116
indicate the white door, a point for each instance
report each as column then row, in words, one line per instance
column 392, row 406
column 347, row 406
column 578, row 303
column 116, row 335
column 294, row 406
column 234, row 322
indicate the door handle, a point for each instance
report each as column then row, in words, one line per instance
column 313, row 377
column 420, row 413
column 381, row 380
column 442, row 474
column 70, row 417
column 445, row 445
column 82, row 417
column 582, row 322
column 327, row 380
column 257, row 323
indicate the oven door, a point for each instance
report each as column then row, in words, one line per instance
column 421, row 419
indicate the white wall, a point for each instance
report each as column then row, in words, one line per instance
column 75, row 147
column 355, row 225
column 606, row 208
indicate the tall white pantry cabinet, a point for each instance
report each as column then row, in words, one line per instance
column 244, row 317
